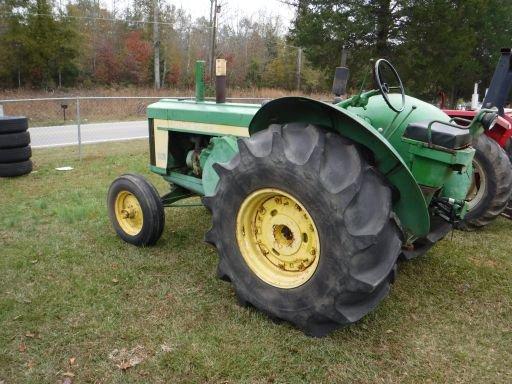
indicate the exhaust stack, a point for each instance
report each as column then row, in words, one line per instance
column 220, row 80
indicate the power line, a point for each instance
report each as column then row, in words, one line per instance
column 91, row 18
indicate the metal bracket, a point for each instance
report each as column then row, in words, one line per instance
column 450, row 210
column 177, row 193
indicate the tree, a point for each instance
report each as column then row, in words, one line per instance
column 66, row 52
column 281, row 71
column 136, row 59
column 13, row 39
column 435, row 44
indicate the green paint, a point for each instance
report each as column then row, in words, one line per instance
column 200, row 80
column 157, row 170
column 434, row 169
column 157, row 111
column 393, row 125
column 458, row 184
column 360, row 100
column 185, row 181
column 430, row 166
column 177, row 193
column 221, row 150
column 411, row 207
column 366, row 120
column 231, row 114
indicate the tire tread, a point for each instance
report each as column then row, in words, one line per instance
column 350, row 295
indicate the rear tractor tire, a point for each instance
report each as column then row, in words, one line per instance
column 508, row 210
column 135, row 210
column 491, row 186
column 304, row 228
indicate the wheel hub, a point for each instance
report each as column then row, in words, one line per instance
column 128, row 213
column 478, row 187
column 277, row 238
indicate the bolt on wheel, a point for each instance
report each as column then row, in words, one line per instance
column 278, row 238
column 491, row 186
column 135, row 210
column 129, row 213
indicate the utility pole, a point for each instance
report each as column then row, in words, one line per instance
column 211, row 32
column 299, row 67
column 216, row 9
column 95, row 15
column 156, row 43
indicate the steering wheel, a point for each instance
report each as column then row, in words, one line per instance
column 383, row 85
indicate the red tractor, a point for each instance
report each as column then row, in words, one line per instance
column 490, row 192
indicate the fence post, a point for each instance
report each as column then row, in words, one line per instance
column 78, row 130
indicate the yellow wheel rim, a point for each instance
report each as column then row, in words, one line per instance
column 278, row 238
column 128, row 213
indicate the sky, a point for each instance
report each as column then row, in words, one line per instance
column 243, row 7
column 231, row 9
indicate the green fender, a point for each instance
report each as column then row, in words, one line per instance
column 409, row 204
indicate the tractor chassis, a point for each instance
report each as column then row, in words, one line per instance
column 177, row 193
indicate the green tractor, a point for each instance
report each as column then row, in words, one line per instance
column 312, row 203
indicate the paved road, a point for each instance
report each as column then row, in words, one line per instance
column 63, row 135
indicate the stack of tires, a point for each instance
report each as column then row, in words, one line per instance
column 15, row 151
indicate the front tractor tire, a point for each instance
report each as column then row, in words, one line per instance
column 491, row 187
column 304, row 227
column 135, row 210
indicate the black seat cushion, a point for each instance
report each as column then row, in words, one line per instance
column 442, row 135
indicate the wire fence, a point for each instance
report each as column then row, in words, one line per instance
column 57, row 122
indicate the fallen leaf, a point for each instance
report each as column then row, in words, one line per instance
column 72, row 360
column 30, row 334
column 389, row 331
column 125, row 359
column 115, row 281
column 68, row 374
column 22, row 347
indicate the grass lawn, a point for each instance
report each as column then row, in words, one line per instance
column 77, row 304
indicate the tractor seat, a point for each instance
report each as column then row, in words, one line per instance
column 442, row 135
